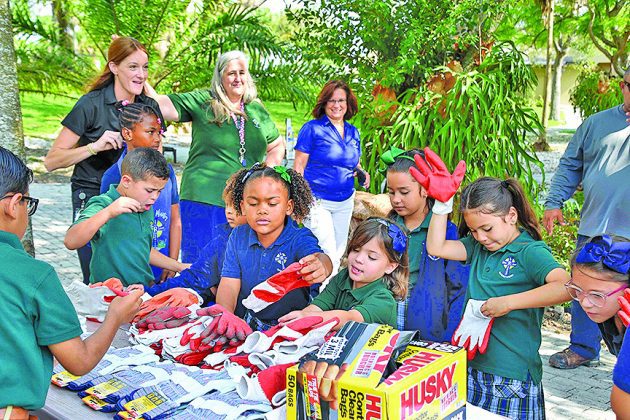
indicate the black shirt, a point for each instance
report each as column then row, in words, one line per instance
column 92, row 115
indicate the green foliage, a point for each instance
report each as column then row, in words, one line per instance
column 183, row 39
column 595, row 91
column 481, row 119
column 395, row 43
column 42, row 115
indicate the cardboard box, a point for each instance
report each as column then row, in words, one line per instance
column 382, row 376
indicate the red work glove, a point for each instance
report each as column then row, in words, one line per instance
column 275, row 288
column 624, row 312
column 113, row 284
column 177, row 296
column 227, row 324
column 168, row 317
column 436, row 179
column 473, row 331
column 267, row 386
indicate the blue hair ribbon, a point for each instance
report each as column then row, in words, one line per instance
column 615, row 256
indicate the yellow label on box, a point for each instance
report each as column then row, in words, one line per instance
column 144, row 404
column 93, row 402
column 103, row 389
column 62, row 379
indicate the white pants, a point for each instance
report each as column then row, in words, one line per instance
column 330, row 221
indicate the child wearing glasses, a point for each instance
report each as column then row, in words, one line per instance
column 600, row 274
column 38, row 319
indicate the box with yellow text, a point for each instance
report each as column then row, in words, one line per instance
column 427, row 381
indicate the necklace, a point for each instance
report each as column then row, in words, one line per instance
column 239, row 122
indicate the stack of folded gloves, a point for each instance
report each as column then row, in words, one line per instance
column 166, row 397
column 175, row 297
column 278, row 345
column 113, row 361
column 105, row 391
column 226, row 406
column 162, row 323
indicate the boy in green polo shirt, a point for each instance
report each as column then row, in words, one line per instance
column 38, row 319
column 377, row 274
column 119, row 223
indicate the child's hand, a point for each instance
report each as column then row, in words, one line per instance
column 496, row 307
column 124, row 205
column 123, row 309
column 290, row 317
column 313, row 271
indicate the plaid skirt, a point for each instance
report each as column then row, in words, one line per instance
column 506, row 397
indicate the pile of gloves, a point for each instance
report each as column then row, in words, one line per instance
column 93, row 301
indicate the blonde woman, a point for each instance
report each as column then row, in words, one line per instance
column 231, row 129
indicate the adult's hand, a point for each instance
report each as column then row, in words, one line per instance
column 108, row 141
column 551, row 216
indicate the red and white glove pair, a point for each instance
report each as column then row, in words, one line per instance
column 224, row 329
column 473, row 331
column 275, row 288
column 437, row 180
column 269, row 385
column 163, row 318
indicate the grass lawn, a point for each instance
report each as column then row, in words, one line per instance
column 43, row 114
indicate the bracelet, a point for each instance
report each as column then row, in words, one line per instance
column 91, row 149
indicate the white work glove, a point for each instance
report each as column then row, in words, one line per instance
column 442, row 208
column 473, row 331
column 89, row 301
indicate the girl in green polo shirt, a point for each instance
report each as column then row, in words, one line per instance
column 376, row 275
column 513, row 277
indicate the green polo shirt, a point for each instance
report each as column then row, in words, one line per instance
column 417, row 237
column 515, row 338
column 374, row 301
column 214, row 151
column 122, row 246
column 35, row 313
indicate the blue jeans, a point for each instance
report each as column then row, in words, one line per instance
column 198, row 227
column 585, row 335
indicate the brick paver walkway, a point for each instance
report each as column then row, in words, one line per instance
column 582, row 393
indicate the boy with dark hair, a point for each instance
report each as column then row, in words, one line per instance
column 118, row 223
column 38, row 319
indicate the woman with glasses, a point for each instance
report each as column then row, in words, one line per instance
column 90, row 137
column 231, row 130
column 327, row 153
column 600, row 274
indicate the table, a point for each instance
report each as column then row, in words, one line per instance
column 62, row 404
column 65, row 404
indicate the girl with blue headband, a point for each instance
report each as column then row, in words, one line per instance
column 600, row 274
column 375, row 277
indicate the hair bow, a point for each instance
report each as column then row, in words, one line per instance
column 390, row 156
column 284, row 174
column 254, row 167
column 615, row 256
column 399, row 239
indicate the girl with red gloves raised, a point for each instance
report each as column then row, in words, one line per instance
column 513, row 276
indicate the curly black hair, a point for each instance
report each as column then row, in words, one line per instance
column 298, row 188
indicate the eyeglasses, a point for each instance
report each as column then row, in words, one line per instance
column 336, row 101
column 31, row 203
column 595, row 298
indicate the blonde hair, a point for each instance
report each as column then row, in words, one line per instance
column 221, row 105
column 398, row 280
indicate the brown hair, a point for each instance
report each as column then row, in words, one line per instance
column 398, row 281
column 327, row 92
column 119, row 49
column 493, row 196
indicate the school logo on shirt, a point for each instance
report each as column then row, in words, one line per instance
column 281, row 258
column 508, row 264
column 255, row 122
column 158, row 226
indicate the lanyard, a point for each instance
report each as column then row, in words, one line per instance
column 239, row 122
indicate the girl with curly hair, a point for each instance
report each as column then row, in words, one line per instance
column 272, row 199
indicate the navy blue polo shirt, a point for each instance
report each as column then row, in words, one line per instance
column 92, row 115
column 332, row 159
column 246, row 259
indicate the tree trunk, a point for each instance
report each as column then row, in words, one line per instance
column 556, row 87
column 12, row 137
column 541, row 143
column 60, row 12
